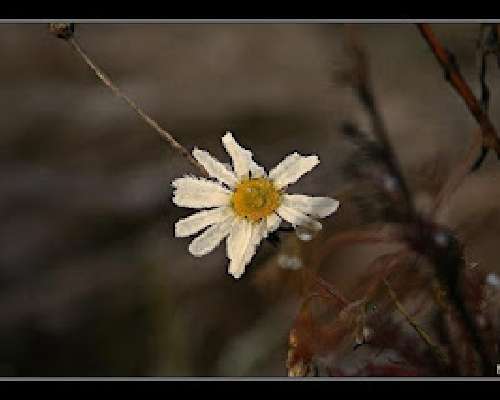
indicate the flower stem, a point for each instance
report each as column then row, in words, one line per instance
column 146, row 118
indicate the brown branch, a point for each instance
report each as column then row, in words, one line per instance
column 66, row 32
column 457, row 81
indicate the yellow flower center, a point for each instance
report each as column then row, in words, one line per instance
column 255, row 199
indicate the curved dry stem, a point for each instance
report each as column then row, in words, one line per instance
column 331, row 291
column 354, row 237
column 459, row 174
column 176, row 146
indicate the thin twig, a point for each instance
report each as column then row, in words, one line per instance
column 176, row 146
column 457, row 81
column 458, row 174
column 331, row 290
column 381, row 268
column 370, row 235
column 435, row 349
column 488, row 44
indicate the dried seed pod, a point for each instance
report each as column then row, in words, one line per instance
column 62, row 30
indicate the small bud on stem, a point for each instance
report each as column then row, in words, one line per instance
column 62, row 30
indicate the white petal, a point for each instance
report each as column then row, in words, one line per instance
column 273, row 222
column 256, row 170
column 291, row 169
column 211, row 238
column 195, row 192
column 236, row 239
column 314, row 206
column 241, row 157
column 215, row 168
column 258, row 233
column 237, row 242
column 194, row 223
column 297, row 218
column 194, row 183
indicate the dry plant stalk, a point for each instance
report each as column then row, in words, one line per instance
column 66, row 32
column 458, row 174
column 458, row 82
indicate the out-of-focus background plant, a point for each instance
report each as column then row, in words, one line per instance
column 92, row 280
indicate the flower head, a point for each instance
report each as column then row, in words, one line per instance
column 244, row 204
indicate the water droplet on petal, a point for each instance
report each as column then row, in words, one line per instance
column 305, row 233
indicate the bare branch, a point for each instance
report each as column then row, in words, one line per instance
column 457, row 81
column 64, row 32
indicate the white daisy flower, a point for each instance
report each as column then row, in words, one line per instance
column 244, row 204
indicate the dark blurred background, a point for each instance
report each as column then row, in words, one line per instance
column 92, row 280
